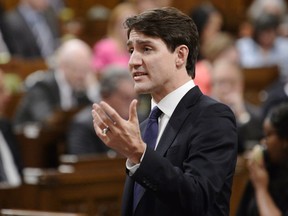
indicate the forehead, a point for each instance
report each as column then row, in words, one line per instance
column 267, row 124
column 138, row 38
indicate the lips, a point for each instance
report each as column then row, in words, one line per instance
column 138, row 74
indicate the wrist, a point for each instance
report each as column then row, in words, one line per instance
column 137, row 156
column 261, row 189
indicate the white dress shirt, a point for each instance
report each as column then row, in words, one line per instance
column 8, row 163
column 66, row 92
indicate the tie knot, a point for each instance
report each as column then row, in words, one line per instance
column 155, row 113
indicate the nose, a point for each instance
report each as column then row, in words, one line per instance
column 135, row 59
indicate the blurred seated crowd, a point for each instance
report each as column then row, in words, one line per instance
column 79, row 73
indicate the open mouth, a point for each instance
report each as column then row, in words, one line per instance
column 139, row 74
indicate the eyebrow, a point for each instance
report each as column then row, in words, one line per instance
column 140, row 42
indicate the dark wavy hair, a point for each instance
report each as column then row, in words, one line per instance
column 278, row 117
column 264, row 22
column 173, row 27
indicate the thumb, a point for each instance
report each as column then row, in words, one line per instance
column 133, row 111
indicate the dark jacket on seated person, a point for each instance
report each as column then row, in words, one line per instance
column 43, row 99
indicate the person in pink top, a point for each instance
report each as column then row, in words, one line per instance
column 112, row 50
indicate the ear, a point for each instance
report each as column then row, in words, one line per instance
column 182, row 52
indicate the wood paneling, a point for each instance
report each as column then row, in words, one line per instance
column 92, row 190
column 21, row 212
column 256, row 80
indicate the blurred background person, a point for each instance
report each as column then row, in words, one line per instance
column 275, row 7
column 256, row 8
column 70, row 84
column 221, row 46
column 209, row 22
column 275, row 94
column 33, row 29
column 228, row 88
column 10, row 159
column 265, row 47
column 116, row 89
column 112, row 49
column 267, row 192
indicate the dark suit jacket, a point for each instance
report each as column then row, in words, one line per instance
column 41, row 101
column 191, row 171
column 19, row 37
column 13, row 145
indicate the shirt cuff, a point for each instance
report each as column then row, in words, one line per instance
column 133, row 167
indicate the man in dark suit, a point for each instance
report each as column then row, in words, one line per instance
column 63, row 88
column 32, row 29
column 191, row 167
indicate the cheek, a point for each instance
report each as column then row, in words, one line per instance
column 274, row 148
column 159, row 67
column 159, row 75
column 164, row 66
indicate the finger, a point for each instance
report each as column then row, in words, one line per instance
column 133, row 111
column 103, row 115
column 113, row 116
column 101, row 132
column 251, row 164
column 97, row 120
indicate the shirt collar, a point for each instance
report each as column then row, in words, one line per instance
column 60, row 79
column 65, row 90
column 168, row 104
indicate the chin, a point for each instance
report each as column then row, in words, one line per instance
column 143, row 88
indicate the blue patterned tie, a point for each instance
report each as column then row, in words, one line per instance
column 150, row 137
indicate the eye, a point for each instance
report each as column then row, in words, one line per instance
column 147, row 49
column 130, row 50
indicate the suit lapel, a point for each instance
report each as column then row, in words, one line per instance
column 177, row 119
